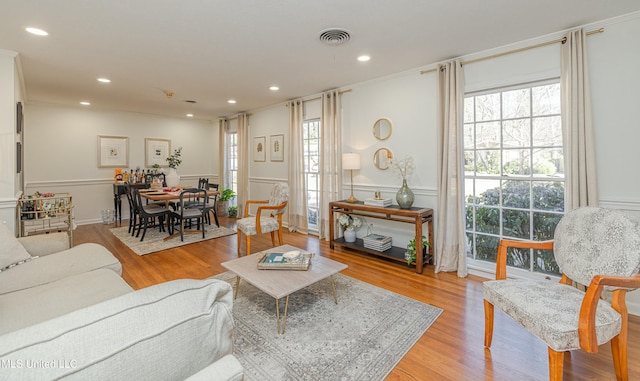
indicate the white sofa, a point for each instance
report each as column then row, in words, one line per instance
column 68, row 314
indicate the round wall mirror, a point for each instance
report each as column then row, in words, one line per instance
column 381, row 158
column 382, row 129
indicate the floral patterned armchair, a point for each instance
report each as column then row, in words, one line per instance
column 592, row 246
column 259, row 224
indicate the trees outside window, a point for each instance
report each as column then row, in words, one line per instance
column 311, row 142
column 514, row 172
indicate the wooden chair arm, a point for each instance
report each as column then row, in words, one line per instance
column 501, row 259
column 268, row 207
column 587, row 322
column 249, row 202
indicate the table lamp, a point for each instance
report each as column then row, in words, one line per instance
column 351, row 161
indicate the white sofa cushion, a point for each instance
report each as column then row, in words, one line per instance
column 11, row 251
column 165, row 332
column 36, row 304
column 50, row 268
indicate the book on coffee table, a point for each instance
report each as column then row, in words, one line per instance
column 277, row 261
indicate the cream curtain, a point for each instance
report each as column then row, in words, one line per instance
column 577, row 124
column 450, row 239
column 243, row 162
column 297, row 189
column 223, row 165
column 331, row 146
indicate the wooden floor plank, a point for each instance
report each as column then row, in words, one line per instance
column 452, row 349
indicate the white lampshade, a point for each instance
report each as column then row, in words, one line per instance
column 350, row 161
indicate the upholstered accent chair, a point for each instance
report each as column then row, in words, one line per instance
column 260, row 224
column 592, row 246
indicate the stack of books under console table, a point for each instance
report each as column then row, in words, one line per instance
column 415, row 215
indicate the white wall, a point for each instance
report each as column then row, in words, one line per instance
column 61, row 147
column 263, row 174
column 10, row 94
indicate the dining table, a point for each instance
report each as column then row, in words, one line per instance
column 167, row 195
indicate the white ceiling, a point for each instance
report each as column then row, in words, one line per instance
column 213, row 50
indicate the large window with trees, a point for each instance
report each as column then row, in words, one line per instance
column 232, row 161
column 514, row 172
column 311, row 142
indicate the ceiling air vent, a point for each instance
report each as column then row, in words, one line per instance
column 334, row 36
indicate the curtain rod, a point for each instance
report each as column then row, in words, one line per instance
column 320, row 97
column 559, row 40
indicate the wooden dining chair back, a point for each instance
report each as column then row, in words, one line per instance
column 592, row 246
column 190, row 206
column 150, row 177
column 260, row 223
column 151, row 215
column 133, row 211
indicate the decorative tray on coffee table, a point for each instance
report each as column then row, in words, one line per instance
column 285, row 261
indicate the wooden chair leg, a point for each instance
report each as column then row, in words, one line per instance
column 619, row 351
column 239, row 242
column 556, row 362
column 248, row 245
column 273, row 240
column 488, row 324
column 280, row 235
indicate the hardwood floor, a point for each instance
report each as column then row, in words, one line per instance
column 452, row 348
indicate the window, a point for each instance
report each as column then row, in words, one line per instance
column 514, row 172
column 232, row 159
column 311, row 142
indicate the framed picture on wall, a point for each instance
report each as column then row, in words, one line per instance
column 276, row 147
column 113, row 151
column 259, row 148
column 156, row 152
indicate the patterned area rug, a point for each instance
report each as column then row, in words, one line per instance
column 154, row 239
column 363, row 337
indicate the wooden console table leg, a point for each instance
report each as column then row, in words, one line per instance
column 419, row 252
column 331, row 223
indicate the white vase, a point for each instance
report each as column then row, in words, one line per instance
column 349, row 235
column 173, row 179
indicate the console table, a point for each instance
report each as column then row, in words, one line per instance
column 118, row 190
column 416, row 215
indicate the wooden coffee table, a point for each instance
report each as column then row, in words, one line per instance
column 282, row 283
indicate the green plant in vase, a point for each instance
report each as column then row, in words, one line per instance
column 410, row 255
column 222, row 204
column 233, row 211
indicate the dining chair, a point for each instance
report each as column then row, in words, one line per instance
column 190, row 206
column 149, row 177
column 133, row 212
column 260, row 224
column 592, row 246
column 147, row 215
column 211, row 205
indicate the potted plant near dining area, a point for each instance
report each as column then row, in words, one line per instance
column 172, row 178
column 222, row 204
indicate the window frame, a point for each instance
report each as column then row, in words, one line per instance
column 486, row 265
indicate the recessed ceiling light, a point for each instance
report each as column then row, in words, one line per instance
column 36, row 31
column 189, row 115
column 274, row 88
column 232, row 101
column 85, row 103
column 364, row 58
column 104, row 80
